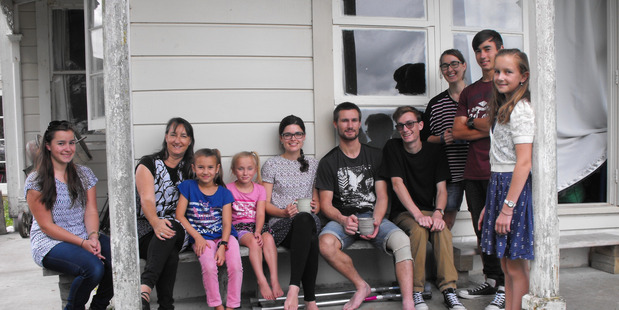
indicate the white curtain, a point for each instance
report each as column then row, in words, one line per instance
column 582, row 88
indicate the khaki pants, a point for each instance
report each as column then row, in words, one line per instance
column 446, row 273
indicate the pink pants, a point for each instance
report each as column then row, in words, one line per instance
column 235, row 274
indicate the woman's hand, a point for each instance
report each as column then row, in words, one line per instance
column 200, row 245
column 258, row 237
column 220, row 256
column 448, row 136
column 291, row 210
column 93, row 246
column 503, row 223
column 163, row 229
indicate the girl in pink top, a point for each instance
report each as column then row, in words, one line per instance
column 248, row 217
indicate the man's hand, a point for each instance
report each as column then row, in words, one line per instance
column 351, row 225
column 438, row 224
column 373, row 235
column 424, row 220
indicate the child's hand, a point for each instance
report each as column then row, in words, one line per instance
column 220, row 256
column 200, row 246
column 258, row 238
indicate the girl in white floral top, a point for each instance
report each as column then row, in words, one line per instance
column 65, row 232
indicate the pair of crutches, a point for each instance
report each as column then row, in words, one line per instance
column 265, row 304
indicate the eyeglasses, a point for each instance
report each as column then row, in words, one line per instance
column 289, row 135
column 409, row 125
column 453, row 65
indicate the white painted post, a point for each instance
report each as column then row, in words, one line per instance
column 119, row 150
column 544, row 276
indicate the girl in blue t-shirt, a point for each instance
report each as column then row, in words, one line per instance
column 205, row 210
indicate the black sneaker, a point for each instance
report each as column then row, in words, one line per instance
column 482, row 290
column 451, row 300
column 499, row 300
column 420, row 304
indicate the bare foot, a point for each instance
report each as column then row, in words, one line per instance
column 265, row 290
column 277, row 289
column 292, row 299
column 408, row 305
column 358, row 298
column 311, row 305
column 220, row 307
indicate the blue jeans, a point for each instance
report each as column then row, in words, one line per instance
column 89, row 271
column 455, row 193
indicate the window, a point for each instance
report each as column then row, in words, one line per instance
column 68, row 84
column 77, row 67
column 386, row 52
column 94, row 64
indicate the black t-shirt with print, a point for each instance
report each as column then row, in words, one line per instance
column 350, row 179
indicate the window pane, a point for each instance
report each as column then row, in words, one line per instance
column 386, row 8
column 463, row 42
column 96, row 42
column 371, row 58
column 96, row 14
column 69, row 100
column 494, row 14
column 97, row 100
column 68, row 40
column 2, row 148
column 2, row 170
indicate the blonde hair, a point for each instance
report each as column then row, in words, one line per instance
column 254, row 156
column 500, row 107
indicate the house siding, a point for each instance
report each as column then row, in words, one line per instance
column 233, row 69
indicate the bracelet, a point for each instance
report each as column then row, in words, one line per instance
column 506, row 213
column 82, row 244
column 224, row 243
column 94, row 232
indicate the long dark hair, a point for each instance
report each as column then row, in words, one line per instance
column 45, row 169
column 295, row 120
column 188, row 157
column 500, row 107
column 219, row 179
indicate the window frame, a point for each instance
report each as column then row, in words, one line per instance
column 94, row 122
column 342, row 22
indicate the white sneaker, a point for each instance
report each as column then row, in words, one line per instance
column 498, row 303
column 420, row 304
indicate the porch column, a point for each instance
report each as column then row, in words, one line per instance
column 119, row 150
column 544, row 279
column 10, row 59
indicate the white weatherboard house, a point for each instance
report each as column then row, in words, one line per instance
column 235, row 68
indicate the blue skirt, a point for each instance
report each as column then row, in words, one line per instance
column 518, row 243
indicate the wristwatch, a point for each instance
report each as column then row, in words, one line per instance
column 470, row 123
column 224, row 243
column 440, row 210
column 510, row 204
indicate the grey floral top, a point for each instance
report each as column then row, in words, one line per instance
column 65, row 214
column 289, row 183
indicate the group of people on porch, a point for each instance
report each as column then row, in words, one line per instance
column 473, row 140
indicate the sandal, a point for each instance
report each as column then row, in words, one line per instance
column 145, row 300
